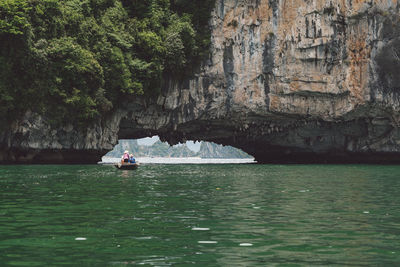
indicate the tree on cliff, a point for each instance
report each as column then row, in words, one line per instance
column 81, row 58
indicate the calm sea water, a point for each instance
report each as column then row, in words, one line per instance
column 204, row 215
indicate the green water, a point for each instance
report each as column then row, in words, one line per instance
column 204, row 215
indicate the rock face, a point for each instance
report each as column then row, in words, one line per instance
column 289, row 80
column 159, row 149
column 213, row 151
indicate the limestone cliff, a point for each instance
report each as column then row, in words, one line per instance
column 286, row 80
column 214, row 151
column 159, row 149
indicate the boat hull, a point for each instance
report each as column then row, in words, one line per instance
column 129, row 166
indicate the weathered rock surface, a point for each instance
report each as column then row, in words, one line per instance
column 286, row 81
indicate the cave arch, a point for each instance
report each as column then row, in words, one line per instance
column 146, row 149
column 276, row 138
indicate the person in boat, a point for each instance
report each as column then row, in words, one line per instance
column 132, row 159
column 125, row 157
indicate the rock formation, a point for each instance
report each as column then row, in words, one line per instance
column 289, row 80
column 159, row 149
column 213, row 151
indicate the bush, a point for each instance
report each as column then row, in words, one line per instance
column 82, row 57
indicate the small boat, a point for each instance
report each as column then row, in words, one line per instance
column 127, row 166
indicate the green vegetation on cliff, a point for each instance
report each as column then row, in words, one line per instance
column 74, row 60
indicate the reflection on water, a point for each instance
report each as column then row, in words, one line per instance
column 224, row 215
